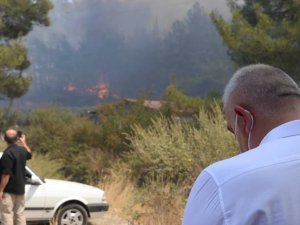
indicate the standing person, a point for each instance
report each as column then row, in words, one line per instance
column 12, row 185
column 261, row 186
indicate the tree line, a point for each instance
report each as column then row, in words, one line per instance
column 144, row 60
column 258, row 32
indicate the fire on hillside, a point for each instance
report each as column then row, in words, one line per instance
column 101, row 89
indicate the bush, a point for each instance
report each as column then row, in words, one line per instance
column 117, row 119
column 77, row 140
column 65, row 137
column 175, row 151
column 162, row 155
column 177, row 103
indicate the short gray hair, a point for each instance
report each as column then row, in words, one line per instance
column 260, row 86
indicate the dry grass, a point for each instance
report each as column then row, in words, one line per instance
column 109, row 220
column 118, row 192
column 157, row 204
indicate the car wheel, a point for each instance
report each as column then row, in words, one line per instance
column 72, row 214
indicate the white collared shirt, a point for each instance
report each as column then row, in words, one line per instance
column 258, row 187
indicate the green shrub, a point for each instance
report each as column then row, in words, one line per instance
column 117, row 119
column 76, row 140
column 177, row 103
column 176, row 151
column 151, row 144
column 64, row 137
column 49, row 131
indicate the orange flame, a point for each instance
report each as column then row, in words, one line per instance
column 101, row 90
column 70, row 87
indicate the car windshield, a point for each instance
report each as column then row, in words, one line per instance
column 29, row 172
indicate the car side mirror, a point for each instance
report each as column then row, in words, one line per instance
column 35, row 180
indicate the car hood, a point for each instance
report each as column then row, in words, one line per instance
column 73, row 187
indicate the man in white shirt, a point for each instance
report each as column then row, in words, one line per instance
column 261, row 186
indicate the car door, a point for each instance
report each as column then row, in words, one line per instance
column 35, row 197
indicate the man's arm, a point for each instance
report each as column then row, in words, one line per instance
column 4, row 182
column 204, row 206
column 23, row 142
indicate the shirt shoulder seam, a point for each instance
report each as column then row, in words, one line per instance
column 220, row 196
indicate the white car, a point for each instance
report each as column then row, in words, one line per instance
column 68, row 203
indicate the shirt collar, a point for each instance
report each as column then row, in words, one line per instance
column 288, row 129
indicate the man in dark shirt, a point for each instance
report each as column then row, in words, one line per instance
column 12, row 185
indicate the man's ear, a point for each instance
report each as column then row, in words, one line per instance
column 246, row 116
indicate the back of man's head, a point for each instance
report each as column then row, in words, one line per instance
column 263, row 88
column 11, row 136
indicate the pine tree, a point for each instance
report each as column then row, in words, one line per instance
column 17, row 19
column 263, row 32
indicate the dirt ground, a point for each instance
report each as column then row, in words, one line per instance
column 109, row 220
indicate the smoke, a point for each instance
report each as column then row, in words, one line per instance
column 108, row 48
column 125, row 16
column 168, row 11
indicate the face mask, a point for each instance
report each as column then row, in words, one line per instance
column 251, row 127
